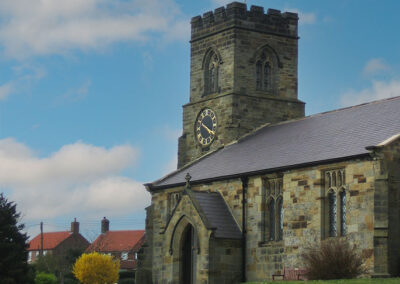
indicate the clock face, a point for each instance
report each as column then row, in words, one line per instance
column 206, row 127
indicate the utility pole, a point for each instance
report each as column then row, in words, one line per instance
column 41, row 239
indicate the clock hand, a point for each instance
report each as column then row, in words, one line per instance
column 208, row 129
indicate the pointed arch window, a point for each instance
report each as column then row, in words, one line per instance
column 264, row 72
column 280, row 218
column 211, row 73
column 335, row 210
column 343, row 228
column 332, row 213
column 272, row 218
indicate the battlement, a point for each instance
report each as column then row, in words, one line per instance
column 236, row 15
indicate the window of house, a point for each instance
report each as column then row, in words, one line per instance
column 136, row 255
column 29, row 256
column 335, row 204
column 264, row 72
column 272, row 218
column 124, row 255
column 211, row 73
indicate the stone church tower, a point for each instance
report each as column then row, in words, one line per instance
column 250, row 207
column 243, row 75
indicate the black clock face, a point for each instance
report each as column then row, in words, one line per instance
column 206, row 127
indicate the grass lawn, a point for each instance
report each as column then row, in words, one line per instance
column 350, row 281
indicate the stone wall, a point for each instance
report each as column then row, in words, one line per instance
column 387, row 209
column 143, row 273
column 304, row 197
column 167, row 231
column 225, row 261
column 238, row 36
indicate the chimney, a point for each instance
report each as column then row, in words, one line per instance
column 75, row 227
column 105, row 225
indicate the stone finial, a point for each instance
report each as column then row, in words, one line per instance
column 188, row 177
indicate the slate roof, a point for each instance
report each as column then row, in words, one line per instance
column 216, row 211
column 117, row 241
column 318, row 138
column 50, row 240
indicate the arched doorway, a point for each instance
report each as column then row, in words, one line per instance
column 188, row 256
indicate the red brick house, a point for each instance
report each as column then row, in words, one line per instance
column 120, row 244
column 57, row 243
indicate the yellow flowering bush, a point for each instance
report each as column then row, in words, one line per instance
column 96, row 268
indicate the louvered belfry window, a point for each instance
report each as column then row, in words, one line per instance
column 263, row 73
column 211, row 73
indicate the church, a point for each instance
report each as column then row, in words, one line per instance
column 258, row 181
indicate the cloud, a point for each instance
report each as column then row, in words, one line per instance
column 304, row 18
column 379, row 90
column 34, row 27
column 5, row 90
column 79, row 179
column 74, row 95
column 25, row 75
column 375, row 66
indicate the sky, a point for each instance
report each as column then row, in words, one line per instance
column 91, row 94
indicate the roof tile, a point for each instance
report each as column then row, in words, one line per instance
column 317, row 138
column 113, row 241
column 50, row 240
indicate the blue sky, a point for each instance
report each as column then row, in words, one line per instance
column 91, row 94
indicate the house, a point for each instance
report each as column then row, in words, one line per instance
column 57, row 243
column 123, row 245
column 257, row 181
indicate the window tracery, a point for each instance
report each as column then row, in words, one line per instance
column 335, row 203
column 273, row 210
column 211, row 73
column 264, row 72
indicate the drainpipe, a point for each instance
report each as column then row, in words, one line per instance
column 245, row 181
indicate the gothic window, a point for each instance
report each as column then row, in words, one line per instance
column 335, row 204
column 343, row 227
column 264, row 73
column 332, row 213
column 272, row 218
column 280, row 218
column 267, row 75
column 271, row 209
column 211, row 72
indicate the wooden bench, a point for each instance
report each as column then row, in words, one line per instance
column 291, row 274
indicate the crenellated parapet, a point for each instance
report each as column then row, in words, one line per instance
column 236, row 15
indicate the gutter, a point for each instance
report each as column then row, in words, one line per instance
column 245, row 181
column 151, row 187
